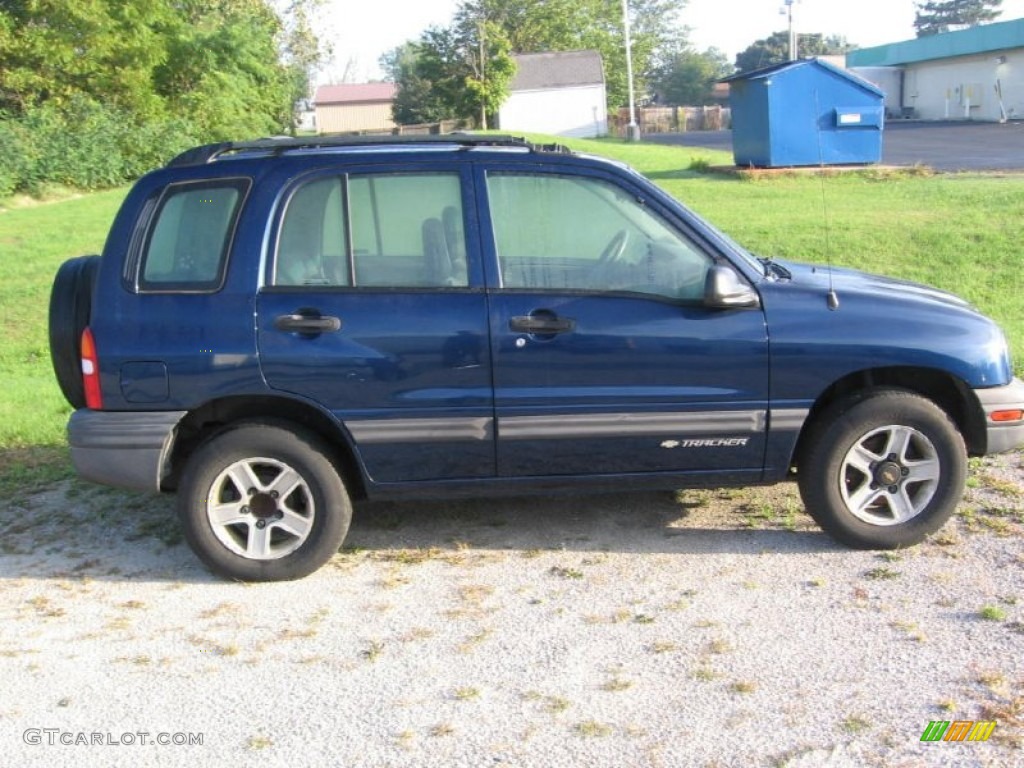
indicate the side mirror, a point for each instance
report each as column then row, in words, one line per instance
column 724, row 289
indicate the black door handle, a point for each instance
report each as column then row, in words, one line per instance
column 303, row 323
column 541, row 323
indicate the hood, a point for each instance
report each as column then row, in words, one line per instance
column 865, row 284
column 879, row 322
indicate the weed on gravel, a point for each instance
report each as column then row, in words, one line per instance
column 442, row 729
column 372, row 651
column 260, row 742
column 616, row 683
column 855, row 724
column 882, row 573
column 592, row 729
column 992, row 613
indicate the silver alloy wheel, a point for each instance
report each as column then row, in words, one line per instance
column 260, row 508
column 889, row 475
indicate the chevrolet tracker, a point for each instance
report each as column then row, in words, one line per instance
column 278, row 327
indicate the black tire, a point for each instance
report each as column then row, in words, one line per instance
column 883, row 470
column 250, row 534
column 70, row 308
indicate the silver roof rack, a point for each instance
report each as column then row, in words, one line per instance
column 207, row 153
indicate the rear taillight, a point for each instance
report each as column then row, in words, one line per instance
column 91, row 372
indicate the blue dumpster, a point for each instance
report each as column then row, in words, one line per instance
column 805, row 112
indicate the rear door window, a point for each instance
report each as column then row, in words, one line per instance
column 401, row 230
column 188, row 240
column 311, row 248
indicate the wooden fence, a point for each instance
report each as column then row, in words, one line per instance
column 422, row 129
column 445, row 126
column 673, row 119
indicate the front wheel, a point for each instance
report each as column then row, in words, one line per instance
column 884, row 470
column 263, row 503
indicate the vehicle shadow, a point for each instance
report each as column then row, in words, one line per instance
column 79, row 531
column 687, row 522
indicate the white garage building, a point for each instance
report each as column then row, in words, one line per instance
column 972, row 74
column 558, row 93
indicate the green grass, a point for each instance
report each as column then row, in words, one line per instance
column 959, row 232
column 34, row 241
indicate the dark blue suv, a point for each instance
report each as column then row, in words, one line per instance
column 277, row 327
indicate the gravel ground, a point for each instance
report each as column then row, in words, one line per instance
column 707, row 628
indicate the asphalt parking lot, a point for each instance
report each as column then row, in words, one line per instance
column 944, row 146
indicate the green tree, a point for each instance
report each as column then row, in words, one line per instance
column 53, row 50
column 416, row 100
column 302, row 51
column 223, row 69
column 938, row 16
column 531, row 26
column 491, row 69
column 216, row 63
column 462, row 71
column 687, row 77
column 423, row 72
column 775, row 49
column 93, row 92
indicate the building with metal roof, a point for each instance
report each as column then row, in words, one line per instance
column 972, row 74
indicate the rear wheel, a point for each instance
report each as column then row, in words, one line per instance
column 884, row 470
column 261, row 502
column 70, row 308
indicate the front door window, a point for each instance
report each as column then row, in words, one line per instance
column 572, row 233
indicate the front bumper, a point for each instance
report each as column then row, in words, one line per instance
column 125, row 449
column 1003, row 435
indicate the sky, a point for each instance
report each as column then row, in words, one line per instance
column 361, row 30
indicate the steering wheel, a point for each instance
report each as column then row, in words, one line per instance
column 615, row 248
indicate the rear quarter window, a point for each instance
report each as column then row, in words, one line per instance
column 189, row 236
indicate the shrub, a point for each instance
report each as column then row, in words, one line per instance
column 84, row 144
column 150, row 145
column 77, row 144
column 14, row 149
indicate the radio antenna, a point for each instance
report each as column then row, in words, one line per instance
column 832, row 298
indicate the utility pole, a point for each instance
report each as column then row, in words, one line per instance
column 483, row 80
column 633, row 131
column 794, row 54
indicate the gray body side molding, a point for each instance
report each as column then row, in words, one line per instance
column 125, row 449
